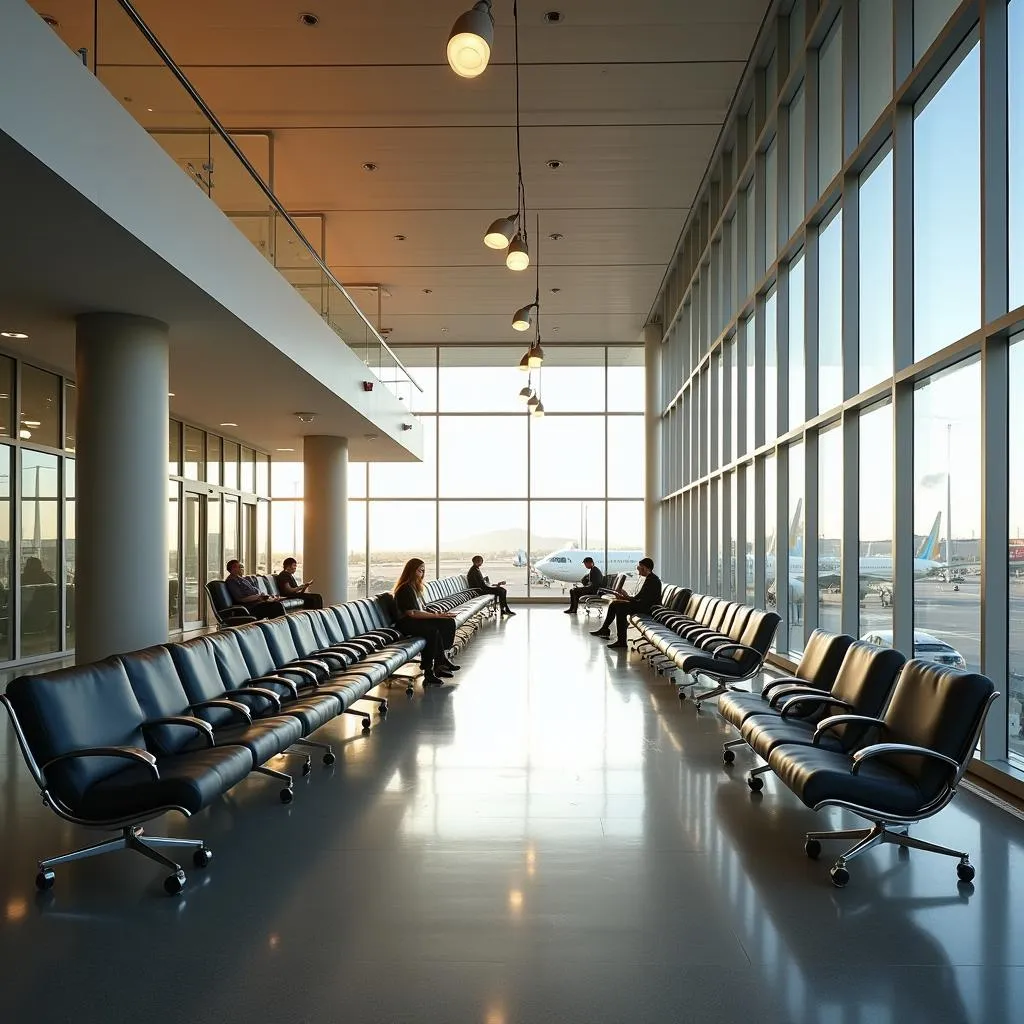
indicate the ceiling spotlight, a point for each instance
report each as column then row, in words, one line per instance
column 555, row 291
column 538, row 410
column 523, row 318
column 16, row 335
column 518, row 256
column 524, row 363
column 554, row 164
column 444, row 330
column 556, row 236
column 50, row 20
column 501, row 232
column 470, row 41
column 399, row 238
column 535, row 357
column 428, row 291
column 309, row 20
column 369, row 166
column 552, row 17
column 305, row 417
column 526, row 394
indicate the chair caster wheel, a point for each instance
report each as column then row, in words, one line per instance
column 682, row 696
column 382, row 710
column 756, row 783
column 366, row 725
column 812, row 847
column 965, row 871
column 202, row 856
column 410, row 690
column 840, row 876
column 173, row 884
column 45, row 880
column 728, row 756
column 329, row 757
column 307, row 766
column 287, row 796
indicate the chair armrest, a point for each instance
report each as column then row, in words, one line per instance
column 830, row 723
column 740, row 647
column 222, row 702
column 772, row 684
column 204, row 728
column 291, row 685
column 805, row 701
column 313, row 664
column 300, row 670
column 866, row 753
column 126, row 753
column 792, row 690
column 259, row 691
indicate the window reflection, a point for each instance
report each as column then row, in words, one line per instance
column 830, row 106
column 830, row 313
column 795, row 547
column 797, row 374
column 947, row 516
column 749, row 528
column 771, row 369
column 1015, row 29
column 876, row 271
column 39, row 421
column 830, row 529
column 771, row 203
column 39, row 554
column 947, row 206
column 770, row 505
column 875, row 59
column 875, row 582
column 797, row 114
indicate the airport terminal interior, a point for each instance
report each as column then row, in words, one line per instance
column 716, row 309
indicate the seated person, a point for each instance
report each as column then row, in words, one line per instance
column 244, row 592
column 285, row 580
column 623, row 606
column 478, row 581
column 33, row 574
column 414, row 620
column 590, row 584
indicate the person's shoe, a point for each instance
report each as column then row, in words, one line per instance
column 443, row 673
column 507, row 611
column 450, row 666
column 570, row 611
column 601, row 632
column 429, row 679
column 619, row 645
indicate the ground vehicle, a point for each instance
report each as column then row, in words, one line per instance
column 926, row 647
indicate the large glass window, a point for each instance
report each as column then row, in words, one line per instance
column 1015, row 697
column 771, row 368
column 626, row 440
column 875, row 297
column 554, row 472
column 69, row 552
column 797, row 371
column 39, row 421
column 795, row 542
column 947, row 206
column 874, row 59
column 494, row 529
column 929, row 18
column 39, row 559
column 6, row 396
column 194, row 450
column 797, row 117
column 484, row 456
column 770, row 506
column 485, row 379
column 173, row 553
column 6, row 604
column 70, row 414
column 419, row 479
column 400, row 530
column 626, row 379
column 1015, row 15
column 830, row 106
column 749, row 527
column 874, row 558
column 830, row 313
column 947, row 516
column 771, row 203
column 750, row 370
column 830, row 529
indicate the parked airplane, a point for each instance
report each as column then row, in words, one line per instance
column 566, row 564
column 520, row 559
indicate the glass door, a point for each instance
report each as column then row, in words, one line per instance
column 192, row 561
column 214, row 548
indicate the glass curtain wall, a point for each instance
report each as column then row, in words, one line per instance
column 894, row 310
column 528, row 494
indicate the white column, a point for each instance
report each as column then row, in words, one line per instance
column 325, row 501
column 652, row 430
column 121, row 485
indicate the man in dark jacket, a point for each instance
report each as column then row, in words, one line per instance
column 590, row 584
column 623, row 606
column 477, row 581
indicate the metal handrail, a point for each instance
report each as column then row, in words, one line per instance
column 180, row 75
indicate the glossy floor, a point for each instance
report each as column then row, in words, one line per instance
column 554, row 839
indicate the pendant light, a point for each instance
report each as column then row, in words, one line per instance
column 535, row 357
column 538, row 410
column 532, row 403
column 522, row 319
column 470, row 41
column 527, row 393
column 501, row 232
column 518, row 256
column 524, row 363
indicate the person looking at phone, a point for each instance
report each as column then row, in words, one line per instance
column 290, row 588
column 478, row 581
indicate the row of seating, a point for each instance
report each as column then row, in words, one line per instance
column 227, row 613
column 704, row 636
column 119, row 742
column 860, row 727
column 611, row 584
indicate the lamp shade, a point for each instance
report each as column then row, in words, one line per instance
column 535, row 357
column 526, row 394
column 524, row 363
column 532, row 402
column 522, row 318
column 538, row 410
column 518, row 256
column 501, row 232
column 470, row 40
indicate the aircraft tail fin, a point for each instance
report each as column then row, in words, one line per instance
column 796, row 530
column 930, row 548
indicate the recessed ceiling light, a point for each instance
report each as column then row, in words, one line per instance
column 371, row 437
column 229, row 424
column 284, row 449
column 16, row 335
column 50, row 20
column 149, row 110
column 554, row 164
column 556, row 236
column 554, row 330
column 369, row 166
column 308, row 19
column 555, row 291
column 399, row 238
column 552, row 17
column 428, row 291
column 444, row 330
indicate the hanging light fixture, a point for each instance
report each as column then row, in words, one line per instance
column 524, row 363
column 538, row 410
column 527, row 393
column 532, row 403
column 522, row 319
column 501, row 232
column 470, row 40
column 535, row 357
column 518, row 255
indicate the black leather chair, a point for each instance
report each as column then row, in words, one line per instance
column 925, row 740
column 225, row 611
column 611, row 584
column 862, row 687
column 99, row 762
column 160, row 693
column 816, row 672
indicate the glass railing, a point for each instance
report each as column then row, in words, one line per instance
column 235, row 169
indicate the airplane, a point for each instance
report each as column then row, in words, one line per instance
column 520, row 559
column 566, row 564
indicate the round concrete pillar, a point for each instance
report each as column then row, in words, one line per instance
column 121, row 484
column 325, row 515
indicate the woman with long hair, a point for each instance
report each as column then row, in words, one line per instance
column 414, row 620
